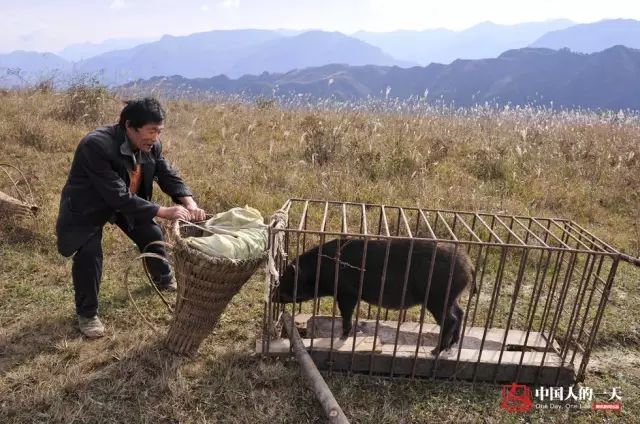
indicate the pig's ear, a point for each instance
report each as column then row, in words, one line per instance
column 294, row 267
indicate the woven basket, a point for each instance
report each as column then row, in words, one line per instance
column 206, row 285
column 14, row 208
column 11, row 207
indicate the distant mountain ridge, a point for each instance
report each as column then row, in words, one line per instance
column 234, row 53
column 80, row 51
column 604, row 80
column 252, row 51
column 484, row 40
column 593, row 37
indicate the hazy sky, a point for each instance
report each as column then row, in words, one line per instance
column 50, row 25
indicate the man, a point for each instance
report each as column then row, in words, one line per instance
column 111, row 180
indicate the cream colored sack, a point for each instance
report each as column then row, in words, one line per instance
column 240, row 233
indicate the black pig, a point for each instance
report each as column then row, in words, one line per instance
column 350, row 262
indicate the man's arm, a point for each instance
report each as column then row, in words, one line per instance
column 172, row 184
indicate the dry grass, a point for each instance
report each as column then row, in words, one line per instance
column 581, row 167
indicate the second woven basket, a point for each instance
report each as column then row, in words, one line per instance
column 206, row 284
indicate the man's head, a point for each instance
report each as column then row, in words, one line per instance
column 143, row 122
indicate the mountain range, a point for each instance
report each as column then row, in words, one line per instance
column 603, row 80
column 238, row 52
column 364, row 63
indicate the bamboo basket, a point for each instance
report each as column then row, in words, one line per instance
column 10, row 207
column 206, row 285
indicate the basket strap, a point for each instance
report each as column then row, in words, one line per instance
column 169, row 251
column 126, row 282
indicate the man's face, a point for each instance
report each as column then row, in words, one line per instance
column 143, row 138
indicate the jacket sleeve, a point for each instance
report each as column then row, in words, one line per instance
column 112, row 188
column 168, row 179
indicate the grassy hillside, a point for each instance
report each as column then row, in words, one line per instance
column 573, row 165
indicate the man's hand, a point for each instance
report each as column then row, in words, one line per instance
column 174, row 212
column 197, row 214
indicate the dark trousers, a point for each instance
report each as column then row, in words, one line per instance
column 87, row 263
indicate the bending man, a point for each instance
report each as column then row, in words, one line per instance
column 111, row 180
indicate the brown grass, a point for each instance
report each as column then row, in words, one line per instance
column 231, row 155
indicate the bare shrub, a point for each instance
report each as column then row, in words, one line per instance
column 321, row 142
column 85, row 102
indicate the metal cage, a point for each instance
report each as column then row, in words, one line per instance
column 542, row 287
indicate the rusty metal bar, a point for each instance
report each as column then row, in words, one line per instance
column 599, row 314
column 427, row 209
column 303, row 226
column 568, row 233
column 446, row 225
column 426, row 221
column 379, row 233
column 295, row 282
column 603, row 245
column 303, row 218
column 465, row 242
column 383, row 280
column 466, row 315
column 558, row 312
column 364, row 227
column 588, row 307
column 406, row 223
column 552, row 289
column 423, row 307
column 511, row 233
column 385, row 222
column 492, row 305
column 498, row 282
column 398, row 223
column 480, row 285
column 495, row 236
column 575, row 313
column 528, row 229
column 535, row 294
column 316, row 299
column 551, row 234
column 345, row 230
column 417, row 230
column 473, row 234
column 360, row 284
column 336, row 277
column 402, row 299
column 577, row 304
column 514, row 300
column 445, row 311
column 323, row 227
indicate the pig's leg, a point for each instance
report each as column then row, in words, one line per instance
column 346, row 303
column 447, row 329
column 459, row 313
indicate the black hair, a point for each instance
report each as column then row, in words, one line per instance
column 141, row 112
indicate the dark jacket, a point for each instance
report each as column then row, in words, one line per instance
column 97, row 187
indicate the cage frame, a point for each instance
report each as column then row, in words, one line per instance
column 549, row 242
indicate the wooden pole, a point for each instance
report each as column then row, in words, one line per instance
column 312, row 376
